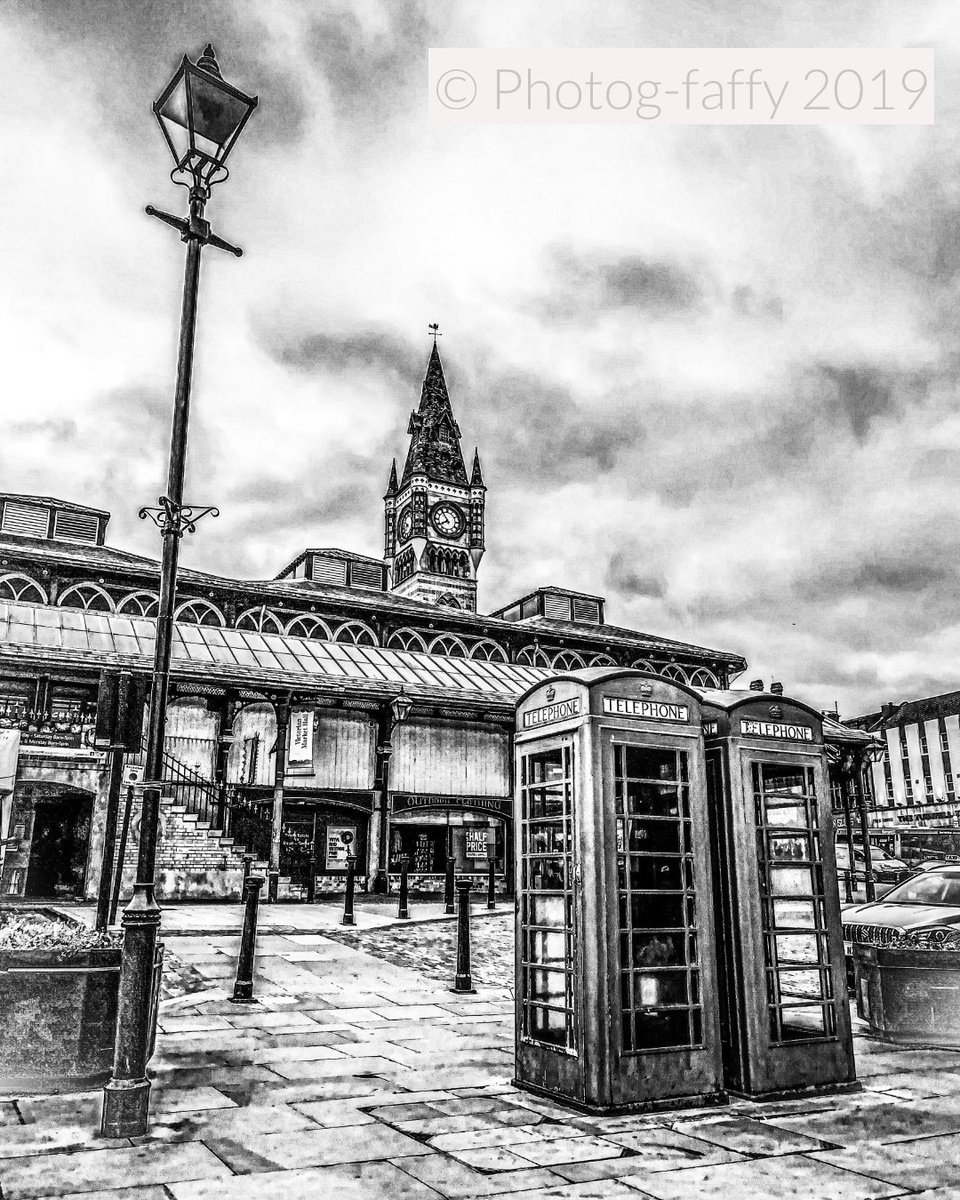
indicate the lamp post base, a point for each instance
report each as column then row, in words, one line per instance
column 126, row 1108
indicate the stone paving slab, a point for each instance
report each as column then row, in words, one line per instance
column 359, row 1075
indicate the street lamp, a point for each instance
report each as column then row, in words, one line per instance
column 391, row 716
column 201, row 117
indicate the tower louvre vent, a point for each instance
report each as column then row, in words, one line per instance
column 76, row 527
column 29, row 520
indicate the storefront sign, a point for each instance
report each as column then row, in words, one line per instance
column 476, row 843
column 301, row 736
column 647, row 710
column 403, row 801
column 776, row 729
column 341, row 841
column 711, row 728
column 51, row 737
column 561, row 711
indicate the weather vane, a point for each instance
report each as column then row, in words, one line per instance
column 434, row 332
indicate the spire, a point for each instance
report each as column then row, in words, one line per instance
column 434, row 433
column 476, row 478
column 392, row 481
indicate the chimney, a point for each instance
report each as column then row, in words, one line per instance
column 756, row 685
column 776, row 689
column 887, row 711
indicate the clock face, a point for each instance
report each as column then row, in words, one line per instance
column 405, row 527
column 447, row 519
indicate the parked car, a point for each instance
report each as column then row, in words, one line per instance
column 886, row 868
column 922, row 913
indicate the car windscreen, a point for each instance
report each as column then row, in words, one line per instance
column 932, row 888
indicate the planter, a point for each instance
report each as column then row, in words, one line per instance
column 909, row 996
column 58, row 1017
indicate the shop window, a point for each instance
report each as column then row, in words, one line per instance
column 659, row 963
column 799, row 979
column 547, row 999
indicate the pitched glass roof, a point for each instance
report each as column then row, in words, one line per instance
column 276, row 659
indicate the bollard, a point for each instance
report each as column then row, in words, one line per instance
column 848, row 887
column 247, row 864
column 403, row 912
column 448, row 886
column 491, row 884
column 243, row 987
column 312, row 880
column 463, row 981
column 347, row 918
column 273, row 887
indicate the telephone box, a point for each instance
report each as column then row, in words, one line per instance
column 784, row 1015
column 616, row 986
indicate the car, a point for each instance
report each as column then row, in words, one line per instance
column 922, row 913
column 886, row 868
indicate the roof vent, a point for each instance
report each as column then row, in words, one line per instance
column 756, row 685
column 776, row 689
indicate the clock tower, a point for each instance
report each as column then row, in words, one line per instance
column 433, row 528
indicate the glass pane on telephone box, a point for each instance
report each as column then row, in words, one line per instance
column 614, row 910
column 784, row 1011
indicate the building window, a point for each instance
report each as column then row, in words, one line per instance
column 488, row 652
column 702, row 678
column 199, row 612
column 139, row 604
column 407, row 639
column 441, row 560
column 532, row 656
column 672, row 671
column 355, row 633
column 404, row 566
column 566, row 660
column 21, row 588
column 450, row 646
column 309, row 627
column 448, row 600
column 260, row 620
column 87, row 596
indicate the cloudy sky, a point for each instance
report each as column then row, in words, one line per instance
column 712, row 372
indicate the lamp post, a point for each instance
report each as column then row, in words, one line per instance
column 391, row 716
column 201, row 118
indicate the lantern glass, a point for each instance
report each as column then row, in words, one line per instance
column 201, row 117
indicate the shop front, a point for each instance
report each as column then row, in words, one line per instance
column 429, row 829
column 323, row 830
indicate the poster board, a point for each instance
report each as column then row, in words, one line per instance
column 341, row 841
column 476, row 844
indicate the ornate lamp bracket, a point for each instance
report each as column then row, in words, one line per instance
column 176, row 519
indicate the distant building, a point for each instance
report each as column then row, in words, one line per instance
column 324, row 648
column 916, row 779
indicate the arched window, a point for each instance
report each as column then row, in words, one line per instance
column 532, row 656
column 309, row 627
column 22, row 588
column 448, row 645
column 355, row 633
column 641, row 664
column 407, row 639
column 442, row 560
column 703, row 678
column 404, row 566
column 566, row 660
column 672, row 671
column 261, row 620
column 602, row 660
column 87, row 596
column 448, row 600
column 199, row 612
column 488, row 652
column 139, row 604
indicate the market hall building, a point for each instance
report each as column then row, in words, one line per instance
column 390, row 697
